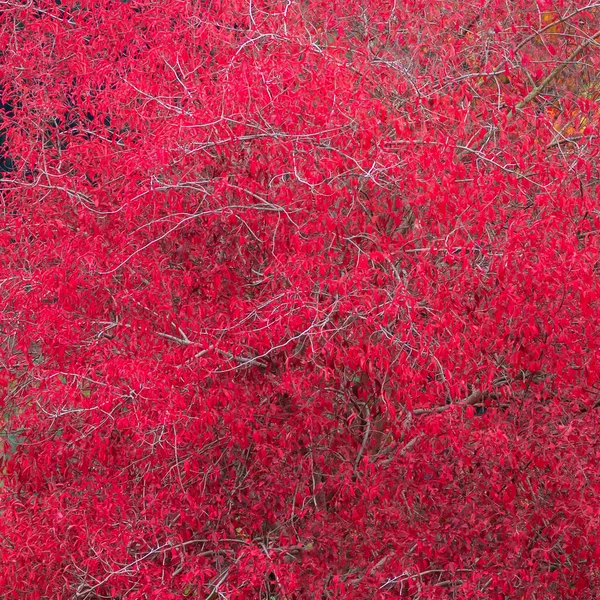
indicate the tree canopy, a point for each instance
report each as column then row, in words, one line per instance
column 298, row 299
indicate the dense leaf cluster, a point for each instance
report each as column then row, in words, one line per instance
column 298, row 299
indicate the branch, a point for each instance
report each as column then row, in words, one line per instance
column 554, row 24
column 407, row 447
column 183, row 341
column 243, row 360
column 475, row 398
column 535, row 92
column 365, row 440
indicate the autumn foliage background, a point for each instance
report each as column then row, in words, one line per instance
column 299, row 299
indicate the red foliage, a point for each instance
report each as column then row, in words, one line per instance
column 298, row 299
